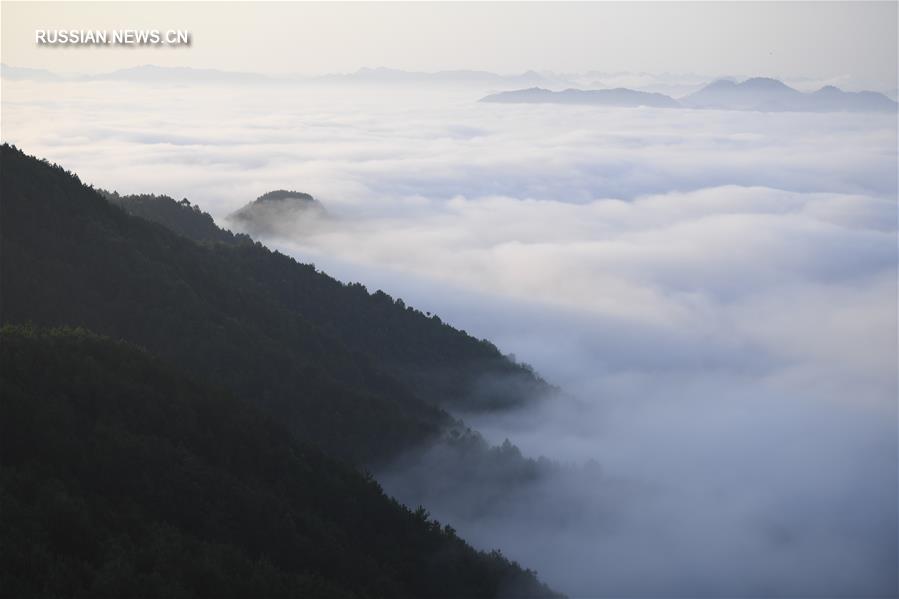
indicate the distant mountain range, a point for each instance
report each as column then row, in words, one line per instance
column 140, row 74
column 599, row 97
column 759, row 93
column 771, row 95
column 365, row 76
column 456, row 77
column 756, row 93
column 156, row 74
column 22, row 73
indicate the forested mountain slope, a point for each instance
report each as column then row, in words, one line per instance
column 441, row 364
column 122, row 477
column 68, row 257
column 181, row 217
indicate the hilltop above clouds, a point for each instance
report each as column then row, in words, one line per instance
column 278, row 210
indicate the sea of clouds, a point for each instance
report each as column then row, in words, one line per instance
column 714, row 292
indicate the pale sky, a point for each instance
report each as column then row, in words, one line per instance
column 783, row 39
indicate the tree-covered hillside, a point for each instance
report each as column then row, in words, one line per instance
column 441, row 364
column 122, row 477
column 69, row 258
column 124, row 468
column 181, row 217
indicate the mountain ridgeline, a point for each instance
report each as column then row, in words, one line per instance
column 440, row 364
column 181, row 217
column 770, row 95
column 761, row 94
column 201, row 430
column 597, row 97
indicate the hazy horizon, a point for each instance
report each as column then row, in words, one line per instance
column 821, row 40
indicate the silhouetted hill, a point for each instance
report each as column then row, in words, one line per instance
column 833, row 99
column 278, row 211
column 122, row 477
column 283, row 195
column 771, row 95
column 601, row 97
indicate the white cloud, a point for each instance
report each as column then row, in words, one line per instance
column 716, row 290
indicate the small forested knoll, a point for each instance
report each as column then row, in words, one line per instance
column 275, row 204
column 121, row 477
column 438, row 362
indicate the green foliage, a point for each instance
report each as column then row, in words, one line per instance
column 123, row 477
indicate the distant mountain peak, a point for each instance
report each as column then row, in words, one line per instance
column 772, row 95
column 765, row 83
column 721, row 83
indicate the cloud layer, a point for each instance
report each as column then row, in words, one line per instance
column 715, row 292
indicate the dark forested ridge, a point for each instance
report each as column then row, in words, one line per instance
column 180, row 216
column 122, row 477
column 69, row 258
column 207, row 442
column 441, row 364
column 355, row 373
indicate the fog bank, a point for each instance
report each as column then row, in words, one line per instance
column 714, row 292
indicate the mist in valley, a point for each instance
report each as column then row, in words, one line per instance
column 712, row 292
